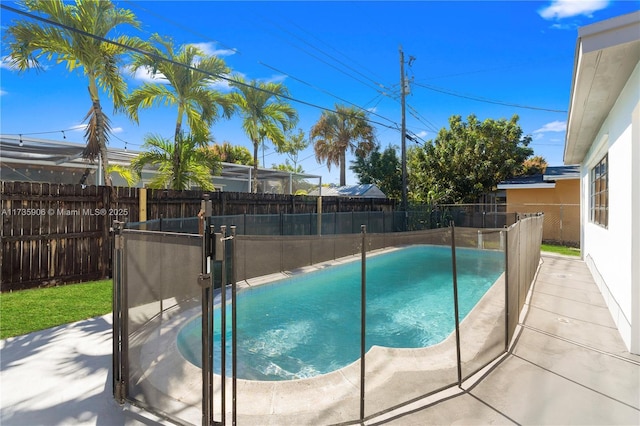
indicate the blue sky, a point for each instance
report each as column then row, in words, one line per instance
column 490, row 59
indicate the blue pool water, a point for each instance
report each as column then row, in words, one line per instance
column 310, row 324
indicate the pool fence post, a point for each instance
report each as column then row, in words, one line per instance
column 455, row 299
column 234, row 340
column 363, row 318
column 319, row 218
column 118, row 358
column 504, row 244
column 205, row 282
column 223, row 322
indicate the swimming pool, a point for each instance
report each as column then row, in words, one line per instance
column 308, row 325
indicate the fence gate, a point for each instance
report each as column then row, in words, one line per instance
column 156, row 296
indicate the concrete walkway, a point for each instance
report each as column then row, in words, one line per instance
column 569, row 366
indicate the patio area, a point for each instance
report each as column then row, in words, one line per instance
column 568, row 366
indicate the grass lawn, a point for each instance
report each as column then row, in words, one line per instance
column 568, row 251
column 24, row 311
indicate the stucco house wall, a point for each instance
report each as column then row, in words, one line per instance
column 611, row 253
column 604, row 120
column 560, row 205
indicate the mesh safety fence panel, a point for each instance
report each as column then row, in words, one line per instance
column 480, row 261
column 265, row 224
column 299, row 224
column 561, row 221
column 292, row 331
column 305, row 325
column 513, row 277
column 523, row 257
column 410, row 326
column 299, row 317
column 236, row 220
column 160, row 272
column 187, row 225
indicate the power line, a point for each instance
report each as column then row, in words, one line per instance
column 485, row 100
column 422, row 119
column 327, row 92
column 190, row 67
column 333, row 48
column 377, row 85
column 331, row 57
column 181, row 26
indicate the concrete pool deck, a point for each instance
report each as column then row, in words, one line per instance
column 568, row 366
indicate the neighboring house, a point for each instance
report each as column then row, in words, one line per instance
column 603, row 136
column 26, row 159
column 368, row 190
column 556, row 193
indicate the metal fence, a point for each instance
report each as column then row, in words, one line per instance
column 469, row 216
column 165, row 292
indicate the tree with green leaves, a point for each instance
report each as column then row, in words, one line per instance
column 339, row 131
column 235, row 154
column 265, row 115
column 293, row 144
column 381, row 169
column 533, row 166
column 467, row 160
column 196, row 165
column 65, row 39
column 287, row 166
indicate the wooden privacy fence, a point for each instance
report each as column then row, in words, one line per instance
column 56, row 233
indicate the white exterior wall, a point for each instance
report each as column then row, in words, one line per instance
column 613, row 253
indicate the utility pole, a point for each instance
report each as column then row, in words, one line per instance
column 403, row 135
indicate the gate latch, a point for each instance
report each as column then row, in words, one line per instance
column 204, row 280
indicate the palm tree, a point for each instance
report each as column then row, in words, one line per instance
column 195, row 166
column 336, row 132
column 190, row 74
column 65, row 39
column 264, row 115
column 232, row 154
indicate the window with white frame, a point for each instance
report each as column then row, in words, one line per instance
column 599, row 194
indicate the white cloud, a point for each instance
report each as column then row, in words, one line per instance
column 274, row 79
column 78, row 127
column 422, row 134
column 117, row 130
column 209, row 49
column 223, row 85
column 6, row 64
column 559, row 9
column 554, row 126
column 2, row 92
column 145, row 74
column 372, row 109
column 558, row 26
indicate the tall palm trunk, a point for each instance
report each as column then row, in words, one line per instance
column 343, row 173
column 254, row 183
column 176, row 149
column 104, row 153
column 97, row 133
